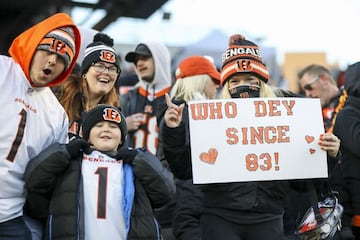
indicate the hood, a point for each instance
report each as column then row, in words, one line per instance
column 352, row 80
column 162, row 76
column 24, row 46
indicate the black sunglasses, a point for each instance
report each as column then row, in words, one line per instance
column 308, row 86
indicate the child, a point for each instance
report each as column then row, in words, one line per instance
column 99, row 191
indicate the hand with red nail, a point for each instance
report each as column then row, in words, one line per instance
column 330, row 143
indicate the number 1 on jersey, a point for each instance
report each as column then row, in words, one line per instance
column 18, row 138
column 102, row 191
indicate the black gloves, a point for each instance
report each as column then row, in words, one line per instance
column 77, row 146
column 127, row 155
column 80, row 145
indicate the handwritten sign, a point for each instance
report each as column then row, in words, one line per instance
column 256, row 139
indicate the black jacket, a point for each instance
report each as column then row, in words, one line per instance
column 347, row 125
column 347, row 128
column 188, row 210
column 176, row 145
column 53, row 184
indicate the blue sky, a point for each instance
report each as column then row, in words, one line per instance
column 329, row 26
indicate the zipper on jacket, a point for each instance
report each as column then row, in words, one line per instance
column 50, row 226
column 157, row 229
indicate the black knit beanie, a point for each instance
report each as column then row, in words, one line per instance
column 103, row 112
column 101, row 49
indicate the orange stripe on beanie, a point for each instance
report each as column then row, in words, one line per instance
column 62, row 42
column 242, row 56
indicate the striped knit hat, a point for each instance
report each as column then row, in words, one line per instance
column 100, row 50
column 242, row 56
column 62, row 42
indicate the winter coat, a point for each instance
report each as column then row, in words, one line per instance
column 149, row 98
column 347, row 125
column 348, row 130
column 54, row 193
column 188, row 210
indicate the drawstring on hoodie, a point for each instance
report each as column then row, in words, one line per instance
column 147, row 93
column 154, row 92
column 150, row 98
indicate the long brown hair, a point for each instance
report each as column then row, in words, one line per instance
column 74, row 97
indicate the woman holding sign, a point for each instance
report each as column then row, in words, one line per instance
column 248, row 210
column 244, row 210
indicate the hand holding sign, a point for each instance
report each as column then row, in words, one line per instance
column 330, row 143
column 173, row 114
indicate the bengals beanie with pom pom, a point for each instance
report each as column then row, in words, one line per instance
column 242, row 56
column 101, row 49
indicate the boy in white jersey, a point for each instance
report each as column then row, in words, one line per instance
column 102, row 191
column 31, row 117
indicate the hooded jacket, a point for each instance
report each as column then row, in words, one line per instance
column 25, row 45
column 31, row 117
column 162, row 76
column 149, row 98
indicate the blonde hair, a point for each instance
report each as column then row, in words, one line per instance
column 265, row 91
column 190, row 88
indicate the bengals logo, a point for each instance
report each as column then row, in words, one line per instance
column 243, row 65
column 107, row 56
column 110, row 114
column 58, row 46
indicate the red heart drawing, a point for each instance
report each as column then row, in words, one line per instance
column 309, row 139
column 312, row 151
column 210, row 156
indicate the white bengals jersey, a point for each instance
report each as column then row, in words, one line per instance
column 31, row 119
column 102, row 178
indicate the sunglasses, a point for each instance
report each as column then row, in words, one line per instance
column 308, row 86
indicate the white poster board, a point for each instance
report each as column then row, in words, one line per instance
column 256, row 139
